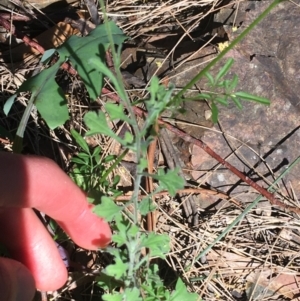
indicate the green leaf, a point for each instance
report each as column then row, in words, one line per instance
column 233, row 84
column 113, row 297
column 248, row 96
column 158, row 245
column 129, row 294
column 159, row 99
column 126, row 237
column 237, row 102
column 109, row 158
column 107, row 209
column 205, row 96
column 116, row 111
column 222, row 100
column 80, row 161
column 125, row 229
column 48, row 96
column 107, row 282
column 146, row 205
column 181, row 293
column 97, row 150
column 8, row 104
column 224, row 69
column 47, row 55
column 118, row 269
column 102, row 68
column 87, row 55
column 128, row 138
column 221, row 84
column 210, row 78
column 100, row 34
column 80, row 141
column 143, row 164
column 215, row 112
column 97, row 124
column 80, row 51
column 169, row 180
column 132, row 294
column 78, row 178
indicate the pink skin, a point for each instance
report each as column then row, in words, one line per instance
column 33, row 182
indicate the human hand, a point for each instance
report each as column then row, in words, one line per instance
column 33, row 182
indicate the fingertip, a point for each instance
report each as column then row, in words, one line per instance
column 88, row 230
column 29, row 242
column 16, row 282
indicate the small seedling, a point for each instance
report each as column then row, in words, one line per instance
column 222, row 90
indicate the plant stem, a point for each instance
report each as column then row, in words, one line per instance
column 124, row 99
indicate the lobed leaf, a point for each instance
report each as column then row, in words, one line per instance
column 87, row 55
column 107, row 209
column 158, row 245
column 97, row 124
column 169, row 180
column 181, row 293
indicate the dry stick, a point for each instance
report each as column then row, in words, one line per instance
column 151, row 216
column 199, row 190
column 270, row 196
column 172, row 160
column 20, row 35
column 186, row 137
column 14, row 17
column 32, row 43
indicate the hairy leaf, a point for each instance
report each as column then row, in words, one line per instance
column 181, row 293
column 107, row 209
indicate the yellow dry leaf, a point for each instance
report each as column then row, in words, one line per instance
column 222, row 46
column 158, row 64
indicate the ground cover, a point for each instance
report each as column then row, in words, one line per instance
column 258, row 258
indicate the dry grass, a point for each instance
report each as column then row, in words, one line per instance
column 262, row 247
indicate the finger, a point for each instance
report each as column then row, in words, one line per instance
column 28, row 242
column 16, row 282
column 40, row 183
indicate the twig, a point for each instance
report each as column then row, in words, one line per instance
column 14, row 17
column 199, row 190
column 151, row 216
column 243, row 214
column 93, row 11
column 10, row 28
column 172, row 160
column 32, row 43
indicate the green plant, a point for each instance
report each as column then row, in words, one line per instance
column 87, row 56
column 130, row 268
column 90, row 172
column 221, row 90
column 133, row 275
